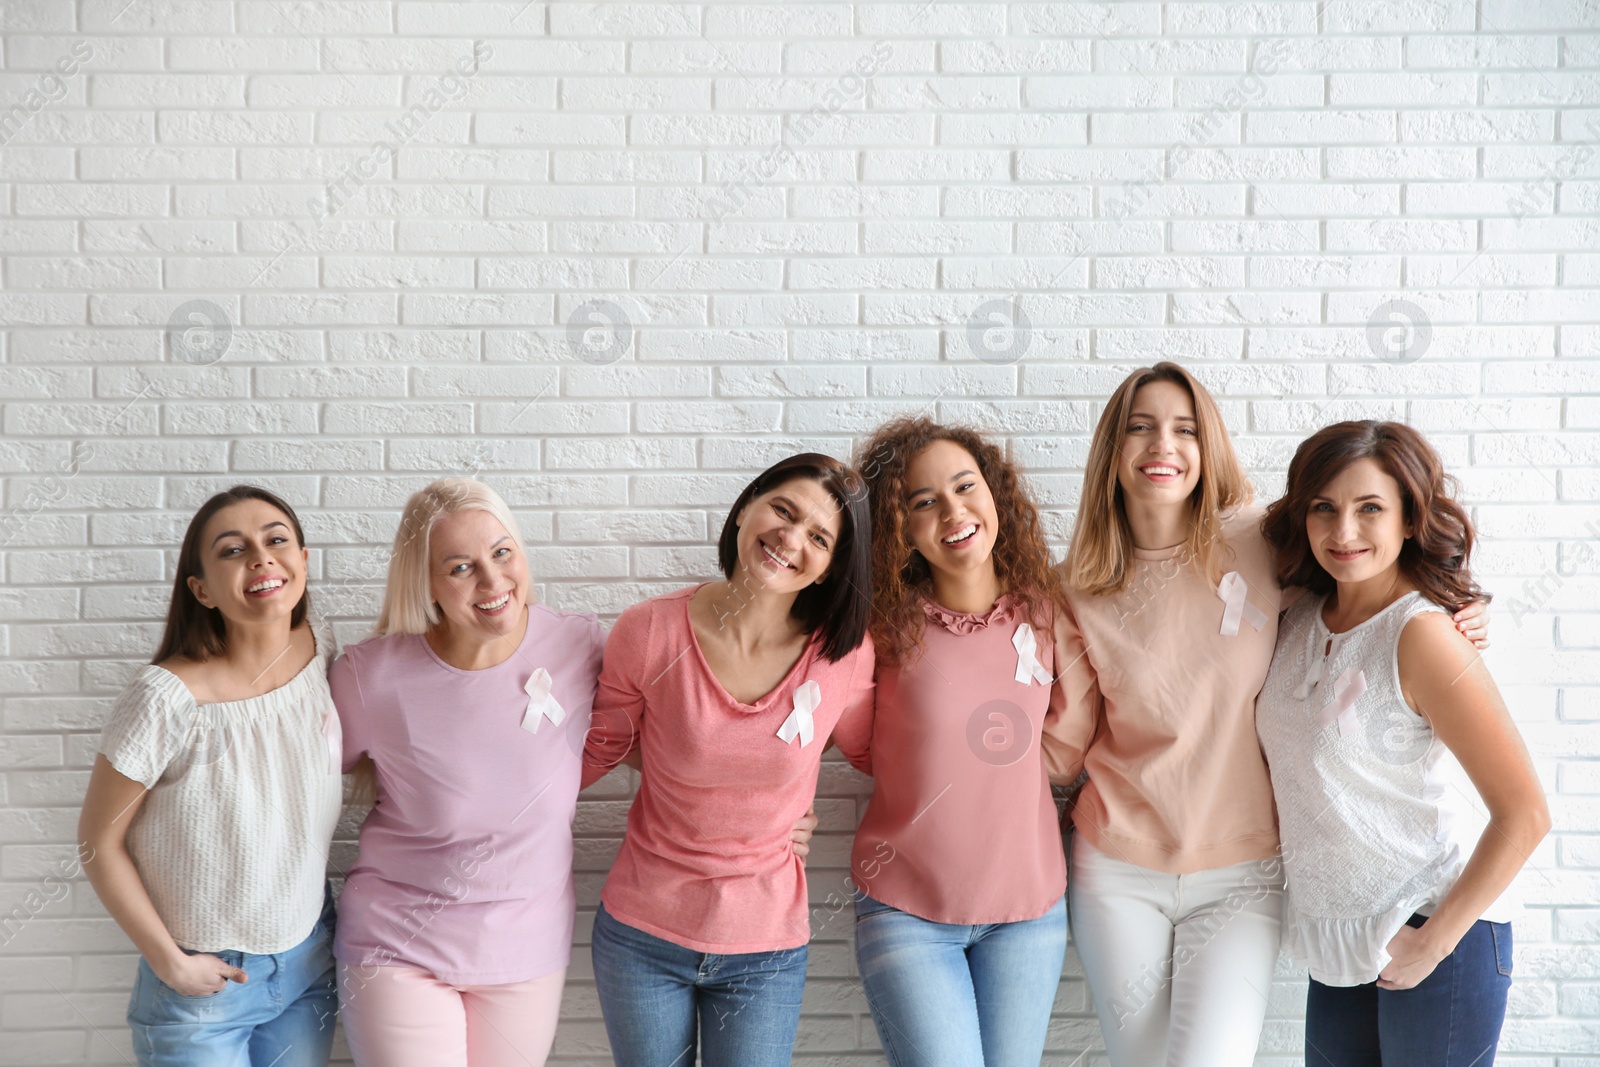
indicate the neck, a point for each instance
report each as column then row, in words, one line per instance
column 1156, row 526
column 1353, row 603
column 255, row 647
column 750, row 616
column 474, row 649
column 972, row 591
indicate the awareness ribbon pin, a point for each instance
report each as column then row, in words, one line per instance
column 1347, row 689
column 1028, row 666
column 799, row 723
column 1234, row 591
column 541, row 705
column 335, row 738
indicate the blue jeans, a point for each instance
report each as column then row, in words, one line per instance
column 282, row 1016
column 1450, row 1019
column 960, row 996
column 655, row 994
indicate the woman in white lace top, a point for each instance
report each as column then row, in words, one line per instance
column 1385, row 737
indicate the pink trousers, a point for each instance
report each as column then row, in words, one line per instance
column 405, row 1017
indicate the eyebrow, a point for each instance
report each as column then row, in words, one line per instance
column 1147, row 415
column 237, row 533
column 956, row 477
column 823, row 530
column 463, row 555
column 1359, row 499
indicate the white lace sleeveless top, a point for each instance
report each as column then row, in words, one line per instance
column 1376, row 817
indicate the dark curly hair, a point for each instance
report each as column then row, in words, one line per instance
column 1435, row 557
column 901, row 577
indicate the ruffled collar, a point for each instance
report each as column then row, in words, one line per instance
column 966, row 622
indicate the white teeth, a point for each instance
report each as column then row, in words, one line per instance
column 263, row 585
column 779, row 560
column 1161, row 470
column 966, row 532
column 493, row 605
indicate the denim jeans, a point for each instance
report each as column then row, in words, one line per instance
column 655, row 995
column 947, row 995
column 282, row 1016
column 1450, row 1019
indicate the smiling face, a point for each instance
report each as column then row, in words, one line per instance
column 252, row 568
column 477, row 573
column 1356, row 523
column 1159, row 464
column 950, row 514
column 787, row 536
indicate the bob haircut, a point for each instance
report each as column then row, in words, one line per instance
column 1436, row 555
column 1021, row 555
column 841, row 604
column 1098, row 561
column 194, row 631
column 408, row 604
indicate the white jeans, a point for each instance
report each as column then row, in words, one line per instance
column 1179, row 965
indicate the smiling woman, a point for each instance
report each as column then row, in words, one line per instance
column 213, row 800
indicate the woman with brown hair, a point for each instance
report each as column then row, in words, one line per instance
column 960, row 913
column 1176, row 885
column 213, row 800
column 1373, row 708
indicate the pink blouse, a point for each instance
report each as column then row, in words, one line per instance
column 706, row 861
column 961, row 827
column 465, row 868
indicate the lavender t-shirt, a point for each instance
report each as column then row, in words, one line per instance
column 465, row 865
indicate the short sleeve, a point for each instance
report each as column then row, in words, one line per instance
column 150, row 723
column 618, row 714
column 853, row 732
column 344, row 682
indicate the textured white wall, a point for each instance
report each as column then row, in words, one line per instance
column 615, row 258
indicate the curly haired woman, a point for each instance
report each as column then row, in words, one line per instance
column 961, row 916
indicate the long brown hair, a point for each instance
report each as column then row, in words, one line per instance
column 1437, row 554
column 838, row 606
column 901, row 577
column 194, row 631
column 1099, row 560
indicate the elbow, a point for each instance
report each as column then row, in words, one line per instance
column 1540, row 818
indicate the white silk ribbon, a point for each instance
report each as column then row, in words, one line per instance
column 1028, row 666
column 800, row 724
column 1347, row 689
column 1234, row 591
column 541, row 705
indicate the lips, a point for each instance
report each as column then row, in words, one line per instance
column 1347, row 556
column 961, row 536
column 777, row 559
column 266, row 585
column 495, row 606
column 1161, row 472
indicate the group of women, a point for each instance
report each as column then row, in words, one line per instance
column 1285, row 735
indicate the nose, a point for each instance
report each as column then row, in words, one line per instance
column 1344, row 528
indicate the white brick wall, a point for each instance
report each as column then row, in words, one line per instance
column 799, row 208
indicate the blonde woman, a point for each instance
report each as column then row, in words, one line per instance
column 1176, row 890
column 471, row 703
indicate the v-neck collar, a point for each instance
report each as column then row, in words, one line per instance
column 801, row 665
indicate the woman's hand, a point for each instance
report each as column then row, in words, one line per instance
column 1413, row 956
column 1473, row 622
column 199, row 975
column 800, row 836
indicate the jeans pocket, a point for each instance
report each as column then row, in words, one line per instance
column 1502, row 947
column 866, row 908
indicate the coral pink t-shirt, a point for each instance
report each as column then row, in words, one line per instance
column 961, row 827
column 465, row 867
column 706, row 861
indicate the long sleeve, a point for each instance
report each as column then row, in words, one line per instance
column 1075, row 702
column 853, row 733
column 618, row 717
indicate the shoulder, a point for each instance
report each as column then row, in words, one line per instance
column 374, row 657
column 1241, row 527
column 1428, row 632
column 554, row 620
column 154, row 691
column 668, row 610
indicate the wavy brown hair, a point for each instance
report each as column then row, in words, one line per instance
column 1099, row 560
column 901, row 577
column 1435, row 557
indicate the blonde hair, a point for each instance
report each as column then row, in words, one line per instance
column 1098, row 561
column 408, row 604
